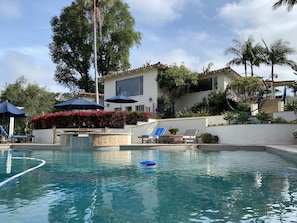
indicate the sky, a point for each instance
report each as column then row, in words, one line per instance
column 190, row 32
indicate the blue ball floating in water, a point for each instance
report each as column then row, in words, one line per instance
column 147, row 163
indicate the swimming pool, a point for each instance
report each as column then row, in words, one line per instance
column 184, row 187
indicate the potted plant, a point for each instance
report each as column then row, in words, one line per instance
column 173, row 131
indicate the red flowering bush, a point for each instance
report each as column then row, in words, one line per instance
column 89, row 119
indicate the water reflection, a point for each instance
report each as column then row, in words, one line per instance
column 185, row 186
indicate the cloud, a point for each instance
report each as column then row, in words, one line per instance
column 156, row 12
column 258, row 19
column 10, row 9
column 14, row 63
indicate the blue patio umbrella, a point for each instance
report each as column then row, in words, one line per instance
column 121, row 99
column 9, row 110
column 78, row 104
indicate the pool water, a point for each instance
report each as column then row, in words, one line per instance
column 184, row 187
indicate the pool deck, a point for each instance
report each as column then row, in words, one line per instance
column 286, row 151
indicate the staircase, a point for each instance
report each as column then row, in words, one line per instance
column 270, row 106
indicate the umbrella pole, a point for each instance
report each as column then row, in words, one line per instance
column 11, row 126
column 78, row 118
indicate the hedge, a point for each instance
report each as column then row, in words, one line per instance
column 89, row 119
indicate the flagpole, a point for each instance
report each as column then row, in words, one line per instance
column 95, row 55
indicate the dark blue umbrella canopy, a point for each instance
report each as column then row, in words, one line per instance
column 8, row 109
column 121, row 99
column 78, row 103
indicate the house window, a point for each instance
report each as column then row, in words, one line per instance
column 205, row 85
column 130, row 87
column 139, row 107
column 215, row 83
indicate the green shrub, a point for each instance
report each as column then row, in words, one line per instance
column 291, row 106
column 199, row 106
column 243, row 107
column 185, row 113
column 279, row 120
column 243, row 117
column 229, row 116
column 263, row 117
column 209, row 138
column 204, row 112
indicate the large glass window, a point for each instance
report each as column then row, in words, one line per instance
column 204, row 85
column 130, row 87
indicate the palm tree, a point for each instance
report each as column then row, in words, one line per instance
column 290, row 4
column 255, row 55
column 276, row 54
column 246, row 54
column 240, row 50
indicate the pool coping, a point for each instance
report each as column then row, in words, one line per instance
column 288, row 152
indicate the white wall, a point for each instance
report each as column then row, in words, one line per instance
column 288, row 115
column 250, row 134
column 254, row 134
column 188, row 100
column 45, row 136
column 150, row 89
column 181, row 123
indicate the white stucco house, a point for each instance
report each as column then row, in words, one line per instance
column 141, row 85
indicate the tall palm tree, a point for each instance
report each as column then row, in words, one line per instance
column 240, row 51
column 276, row 54
column 290, row 4
column 255, row 55
column 246, row 53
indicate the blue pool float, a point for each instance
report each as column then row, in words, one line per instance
column 147, row 163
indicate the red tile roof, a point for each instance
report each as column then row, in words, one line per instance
column 145, row 67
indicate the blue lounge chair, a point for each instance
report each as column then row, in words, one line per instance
column 153, row 137
column 5, row 137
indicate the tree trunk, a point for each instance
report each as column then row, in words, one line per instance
column 272, row 80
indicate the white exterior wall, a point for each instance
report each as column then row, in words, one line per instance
column 249, row 134
column 150, row 90
column 188, row 100
column 44, row 136
column 223, row 82
column 255, row 134
column 287, row 115
column 181, row 123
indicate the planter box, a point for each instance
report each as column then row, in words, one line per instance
column 171, row 139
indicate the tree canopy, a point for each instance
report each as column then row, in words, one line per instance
column 253, row 55
column 33, row 99
column 174, row 82
column 245, row 89
column 277, row 54
column 72, row 45
column 246, row 54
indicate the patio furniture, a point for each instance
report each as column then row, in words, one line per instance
column 190, row 136
column 171, row 139
column 15, row 138
column 152, row 137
